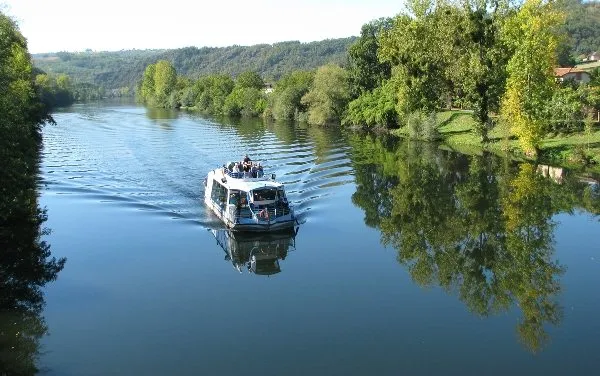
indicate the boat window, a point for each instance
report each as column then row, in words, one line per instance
column 264, row 194
column 218, row 193
column 234, row 197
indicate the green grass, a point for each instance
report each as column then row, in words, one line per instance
column 457, row 129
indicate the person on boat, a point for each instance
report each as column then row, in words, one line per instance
column 253, row 171
column 247, row 159
column 236, row 168
column 259, row 170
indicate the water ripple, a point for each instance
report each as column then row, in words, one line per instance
column 120, row 156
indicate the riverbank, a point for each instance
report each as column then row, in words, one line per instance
column 457, row 131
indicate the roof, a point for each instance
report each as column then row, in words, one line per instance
column 559, row 72
column 246, row 184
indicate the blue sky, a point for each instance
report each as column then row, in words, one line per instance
column 109, row 25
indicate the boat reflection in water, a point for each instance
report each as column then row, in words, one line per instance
column 258, row 252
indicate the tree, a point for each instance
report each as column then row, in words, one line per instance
column 249, row 79
column 146, row 87
column 416, row 47
column 165, row 79
column 329, row 95
column 480, row 69
column 26, row 264
column 533, row 34
column 286, row 99
column 365, row 70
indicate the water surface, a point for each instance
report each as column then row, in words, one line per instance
column 410, row 259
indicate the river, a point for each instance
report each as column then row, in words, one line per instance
column 410, row 258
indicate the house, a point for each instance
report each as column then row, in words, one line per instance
column 593, row 57
column 268, row 88
column 576, row 74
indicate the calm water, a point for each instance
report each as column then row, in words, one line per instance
column 410, row 259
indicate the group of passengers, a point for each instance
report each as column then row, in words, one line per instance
column 248, row 168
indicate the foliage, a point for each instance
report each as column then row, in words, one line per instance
column 55, row 91
column 328, row 96
column 285, row 101
column 249, row 79
column 113, row 70
column 375, row 108
column 482, row 57
column 532, row 33
column 478, row 227
column 245, row 101
column 212, row 92
column 365, row 70
column 581, row 26
column 158, row 84
column 25, row 260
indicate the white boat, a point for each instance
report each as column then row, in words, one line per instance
column 247, row 201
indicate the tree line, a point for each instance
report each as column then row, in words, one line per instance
column 26, row 263
column 119, row 69
column 493, row 57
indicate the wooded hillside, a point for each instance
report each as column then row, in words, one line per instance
column 117, row 69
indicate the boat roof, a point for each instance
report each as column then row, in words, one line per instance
column 246, row 184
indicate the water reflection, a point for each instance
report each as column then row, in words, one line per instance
column 477, row 226
column 26, row 264
column 257, row 253
column 162, row 116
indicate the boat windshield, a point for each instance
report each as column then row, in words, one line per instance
column 265, row 194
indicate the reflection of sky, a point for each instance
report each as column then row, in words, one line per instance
column 342, row 303
column 107, row 25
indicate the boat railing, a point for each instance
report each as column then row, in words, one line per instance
column 264, row 212
column 243, row 175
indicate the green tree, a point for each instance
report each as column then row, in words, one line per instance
column 365, row 70
column 165, row 80
column 416, row 47
column 25, row 260
column 482, row 57
column 328, row 96
column 533, row 34
column 146, row 86
column 285, row 101
column 249, row 79
column 245, row 101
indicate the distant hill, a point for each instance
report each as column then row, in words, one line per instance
column 124, row 68
column 582, row 25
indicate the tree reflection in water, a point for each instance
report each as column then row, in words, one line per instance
column 477, row 226
column 25, row 261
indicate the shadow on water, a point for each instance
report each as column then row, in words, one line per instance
column 258, row 253
column 26, row 264
column 479, row 227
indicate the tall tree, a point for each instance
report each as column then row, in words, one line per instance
column 329, row 95
column 165, row 79
column 365, row 70
column 533, row 34
column 482, row 59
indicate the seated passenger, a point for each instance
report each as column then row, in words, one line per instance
column 236, row 168
column 254, row 171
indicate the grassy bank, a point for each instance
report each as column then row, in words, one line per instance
column 576, row 150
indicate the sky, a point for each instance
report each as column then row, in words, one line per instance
column 112, row 25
